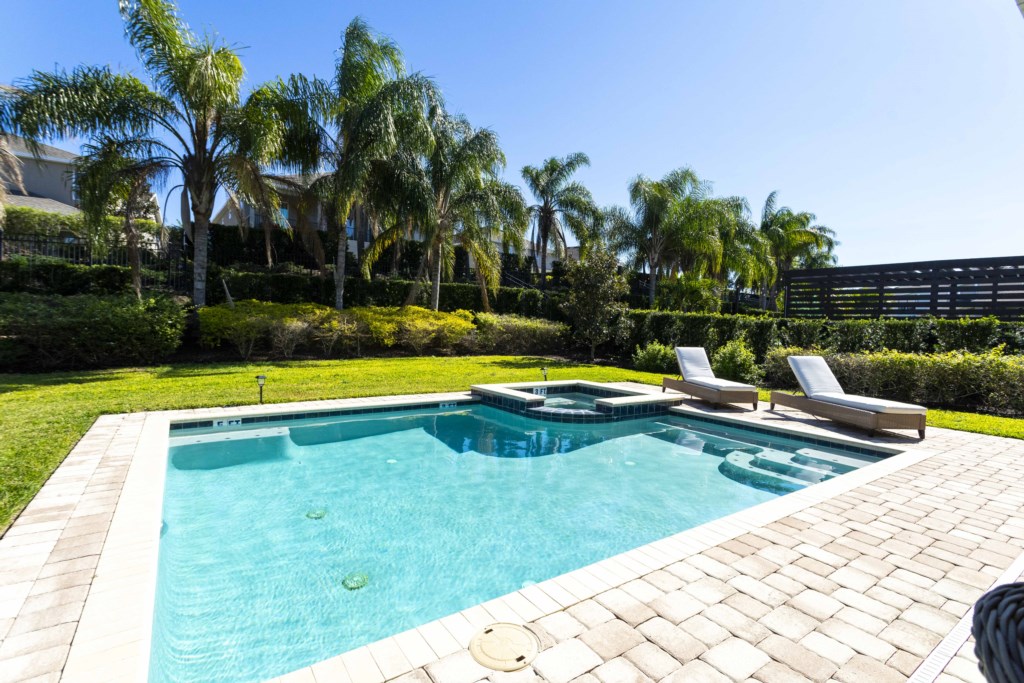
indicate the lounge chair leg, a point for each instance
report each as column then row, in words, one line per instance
column 920, row 432
column 755, row 404
column 771, row 406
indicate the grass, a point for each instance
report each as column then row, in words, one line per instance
column 43, row 416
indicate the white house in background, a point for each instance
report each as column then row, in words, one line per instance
column 358, row 223
column 48, row 179
column 285, row 185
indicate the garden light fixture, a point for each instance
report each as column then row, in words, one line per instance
column 261, row 380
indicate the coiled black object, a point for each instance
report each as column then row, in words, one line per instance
column 998, row 629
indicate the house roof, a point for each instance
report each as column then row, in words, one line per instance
column 40, row 203
column 20, row 147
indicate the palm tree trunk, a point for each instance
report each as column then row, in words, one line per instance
column 396, row 257
column 484, row 299
column 131, row 239
column 360, row 232
column 267, row 227
column 200, row 255
column 414, row 291
column 652, row 282
column 543, row 241
column 435, row 286
column 339, row 269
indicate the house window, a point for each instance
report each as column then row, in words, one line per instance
column 284, row 215
column 350, row 228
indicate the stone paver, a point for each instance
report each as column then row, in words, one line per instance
column 857, row 585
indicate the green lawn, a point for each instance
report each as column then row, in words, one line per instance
column 43, row 416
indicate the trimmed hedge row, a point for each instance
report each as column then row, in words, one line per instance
column 290, row 288
column 60, row 277
column 762, row 333
column 24, row 220
column 46, row 276
column 990, row 382
column 86, row 331
column 281, row 330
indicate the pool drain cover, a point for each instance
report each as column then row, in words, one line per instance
column 504, row 647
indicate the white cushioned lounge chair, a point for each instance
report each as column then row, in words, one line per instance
column 824, row 397
column 699, row 380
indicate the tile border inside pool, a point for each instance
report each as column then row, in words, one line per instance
column 112, row 639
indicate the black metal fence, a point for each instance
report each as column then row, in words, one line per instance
column 164, row 265
column 960, row 288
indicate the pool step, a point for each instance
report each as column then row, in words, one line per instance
column 774, row 470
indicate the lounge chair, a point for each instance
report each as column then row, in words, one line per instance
column 824, row 397
column 699, row 380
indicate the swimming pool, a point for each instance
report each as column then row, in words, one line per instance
column 436, row 509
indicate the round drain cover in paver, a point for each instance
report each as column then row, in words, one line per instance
column 504, row 647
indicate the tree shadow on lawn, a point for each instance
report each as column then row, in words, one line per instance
column 19, row 382
column 537, row 362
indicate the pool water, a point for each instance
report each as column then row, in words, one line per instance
column 571, row 400
column 437, row 509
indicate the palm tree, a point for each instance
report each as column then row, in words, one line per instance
column 746, row 258
column 667, row 217
column 190, row 113
column 791, row 236
column 114, row 177
column 466, row 203
column 367, row 113
column 562, row 205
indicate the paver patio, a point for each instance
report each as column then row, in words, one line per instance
column 869, row 584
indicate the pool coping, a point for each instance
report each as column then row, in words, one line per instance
column 111, row 642
column 629, row 403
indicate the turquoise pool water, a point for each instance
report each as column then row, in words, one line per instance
column 439, row 509
column 573, row 400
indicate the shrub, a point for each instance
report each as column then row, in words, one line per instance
column 735, row 361
column 514, row 334
column 282, row 286
column 53, row 276
column 279, row 329
column 23, row 220
column 86, row 331
column 656, row 357
column 763, row 333
column 414, row 328
column 595, row 293
column 989, row 381
column 775, row 369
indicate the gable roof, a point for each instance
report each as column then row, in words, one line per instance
column 40, row 203
column 20, row 147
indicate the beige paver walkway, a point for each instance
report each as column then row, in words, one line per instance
column 863, row 586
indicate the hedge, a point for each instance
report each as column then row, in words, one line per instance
column 23, row 220
column 282, row 330
column 763, row 333
column 53, row 276
column 86, row 331
column 303, row 288
column 989, row 382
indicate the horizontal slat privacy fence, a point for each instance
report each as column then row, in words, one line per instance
column 958, row 288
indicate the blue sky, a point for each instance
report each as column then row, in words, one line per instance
column 900, row 123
